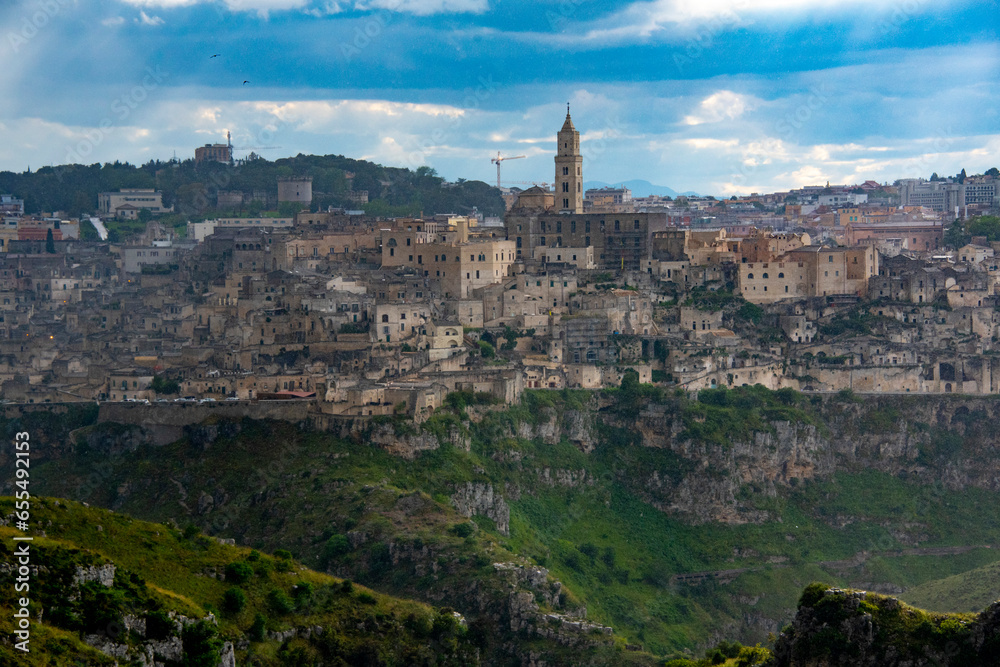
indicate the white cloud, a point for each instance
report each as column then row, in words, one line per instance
column 723, row 105
column 642, row 20
column 328, row 9
column 113, row 21
column 426, row 7
column 146, row 19
column 162, row 4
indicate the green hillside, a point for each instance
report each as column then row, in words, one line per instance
column 677, row 522
column 969, row 591
column 191, row 189
column 163, row 575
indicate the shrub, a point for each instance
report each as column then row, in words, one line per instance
column 464, row 529
column 812, row 594
column 239, row 572
column 336, row 546
column 256, row 631
column 366, row 598
column 346, row 586
column 158, row 625
column 234, row 601
column 201, row 645
column 279, row 602
column 283, row 554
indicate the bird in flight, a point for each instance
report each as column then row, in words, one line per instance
column 214, row 56
column 245, row 82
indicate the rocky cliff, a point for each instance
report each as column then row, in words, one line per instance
column 836, row 627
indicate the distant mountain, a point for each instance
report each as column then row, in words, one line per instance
column 640, row 188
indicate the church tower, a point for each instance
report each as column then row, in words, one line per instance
column 569, row 168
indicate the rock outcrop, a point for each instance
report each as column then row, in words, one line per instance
column 477, row 498
column 836, row 628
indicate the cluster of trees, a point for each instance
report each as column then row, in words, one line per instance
column 961, row 232
column 961, row 176
column 192, row 189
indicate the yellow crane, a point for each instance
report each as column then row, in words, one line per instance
column 500, row 158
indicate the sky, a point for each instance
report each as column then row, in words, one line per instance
column 720, row 97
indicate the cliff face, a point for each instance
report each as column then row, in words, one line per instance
column 859, row 629
column 945, row 441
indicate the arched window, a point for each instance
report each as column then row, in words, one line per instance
column 781, row 275
column 764, row 276
column 385, row 318
column 749, row 276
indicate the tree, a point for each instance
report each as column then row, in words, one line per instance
column 993, row 171
column 162, row 385
column 234, row 601
column 202, row 645
column 50, row 243
column 961, row 177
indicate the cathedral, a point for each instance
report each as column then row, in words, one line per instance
column 542, row 219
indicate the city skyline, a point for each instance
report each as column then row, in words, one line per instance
column 717, row 97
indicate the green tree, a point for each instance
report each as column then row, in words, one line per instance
column 239, row 572
column 202, row 645
column 234, row 601
column 50, row 243
column 162, row 385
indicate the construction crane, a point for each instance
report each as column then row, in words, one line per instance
column 498, row 159
column 539, row 183
column 257, row 148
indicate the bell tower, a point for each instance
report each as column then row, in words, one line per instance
column 569, row 168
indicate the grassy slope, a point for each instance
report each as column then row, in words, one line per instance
column 968, row 591
column 294, row 490
column 175, row 570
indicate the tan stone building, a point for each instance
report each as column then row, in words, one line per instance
column 809, row 272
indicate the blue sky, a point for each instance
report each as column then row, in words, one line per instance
column 718, row 96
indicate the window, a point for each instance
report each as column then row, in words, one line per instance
column 617, row 226
column 559, row 226
column 572, row 226
column 565, row 203
column 565, row 171
column 407, row 241
column 542, row 241
column 636, row 225
column 780, row 275
column 586, row 228
column 764, row 276
column 565, row 187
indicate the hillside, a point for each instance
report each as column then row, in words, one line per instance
column 861, row 629
column 191, row 189
column 678, row 522
column 968, row 591
column 107, row 586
